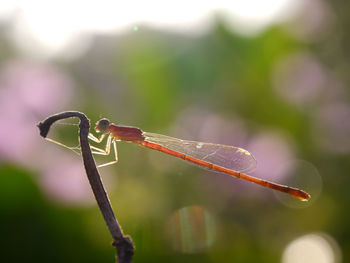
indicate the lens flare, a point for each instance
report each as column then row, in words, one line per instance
column 191, row 229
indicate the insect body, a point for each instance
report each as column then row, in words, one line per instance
column 229, row 160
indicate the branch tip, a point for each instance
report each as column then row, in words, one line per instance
column 123, row 244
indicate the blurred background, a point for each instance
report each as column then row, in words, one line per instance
column 269, row 76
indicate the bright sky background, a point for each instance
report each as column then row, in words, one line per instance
column 46, row 27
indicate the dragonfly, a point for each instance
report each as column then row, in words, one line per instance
column 230, row 160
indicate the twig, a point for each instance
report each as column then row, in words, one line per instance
column 123, row 244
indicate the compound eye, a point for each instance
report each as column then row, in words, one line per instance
column 102, row 125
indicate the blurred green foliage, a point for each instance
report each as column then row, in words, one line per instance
column 147, row 79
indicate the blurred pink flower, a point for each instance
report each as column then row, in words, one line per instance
column 332, row 127
column 273, row 153
column 29, row 91
column 40, row 88
column 315, row 25
column 201, row 125
column 64, row 181
column 300, row 79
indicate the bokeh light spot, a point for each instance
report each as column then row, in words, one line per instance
column 312, row 248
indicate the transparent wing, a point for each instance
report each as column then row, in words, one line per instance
column 229, row 157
